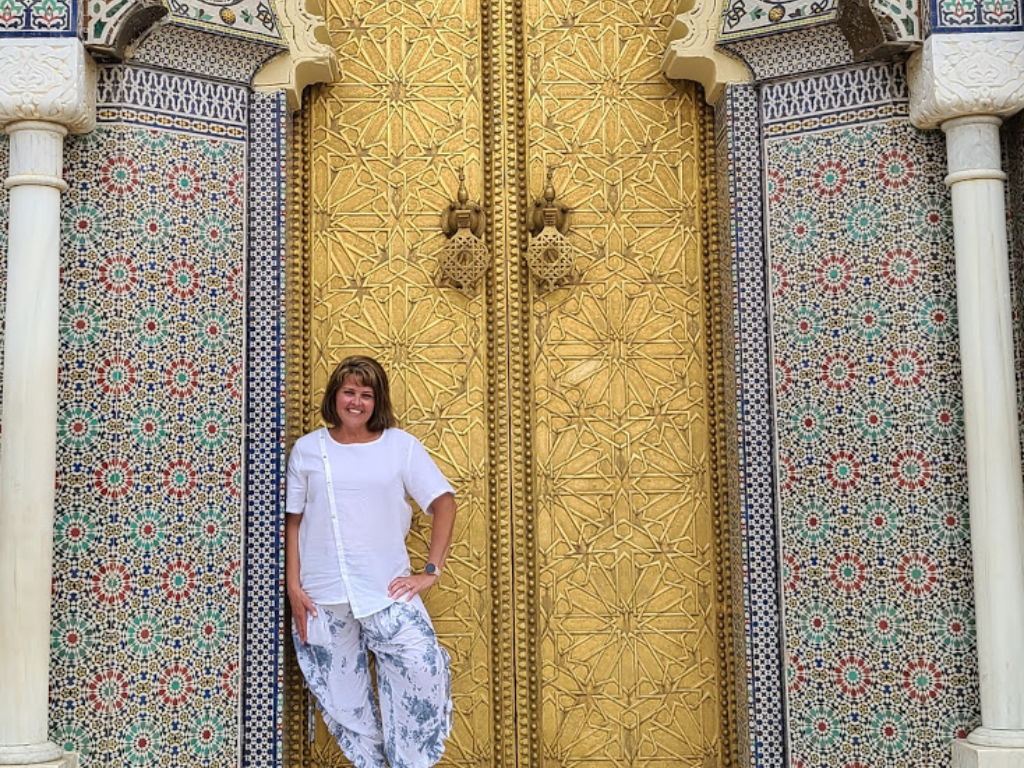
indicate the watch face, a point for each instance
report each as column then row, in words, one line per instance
column 430, row 568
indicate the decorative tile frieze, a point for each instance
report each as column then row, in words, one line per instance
column 175, row 101
column 38, row 18
column 744, row 18
column 823, row 101
column 975, row 15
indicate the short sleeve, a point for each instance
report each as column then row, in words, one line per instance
column 423, row 480
column 297, row 483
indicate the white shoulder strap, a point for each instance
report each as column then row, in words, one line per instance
column 333, row 505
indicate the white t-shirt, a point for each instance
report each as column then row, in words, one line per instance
column 371, row 483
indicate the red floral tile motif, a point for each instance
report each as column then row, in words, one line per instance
column 868, row 407
column 147, row 601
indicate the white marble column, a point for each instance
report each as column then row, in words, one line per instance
column 966, row 84
column 46, row 87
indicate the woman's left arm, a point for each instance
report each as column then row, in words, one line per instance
column 442, row 510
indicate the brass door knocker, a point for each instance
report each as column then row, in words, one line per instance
column 463, row 260
column 550, row 257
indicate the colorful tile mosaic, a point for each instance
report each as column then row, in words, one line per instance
column 976, row 15
column 253, row 19
column 877, row 589
column 905, row 16
column 794, row 52
column 200, row 52
column 755, row 575
column 262, row 703
column 744, row 18
column 148, row 537
column 38, row 18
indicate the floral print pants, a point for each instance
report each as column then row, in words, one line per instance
column 413, row 681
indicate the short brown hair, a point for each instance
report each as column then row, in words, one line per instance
column 369, row 373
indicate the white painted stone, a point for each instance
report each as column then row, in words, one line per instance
column 67, row 760
column 46, row 86
column 310, row 58
column 28, row 443
column 966, row 74
column 995, row 487
column 51, row 79
column 967, row 755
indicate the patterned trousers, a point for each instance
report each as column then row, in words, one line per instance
column 413, row 682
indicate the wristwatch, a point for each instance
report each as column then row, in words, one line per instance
column 431, row 570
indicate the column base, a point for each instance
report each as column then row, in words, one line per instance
column 44, row 754
column 966, row 755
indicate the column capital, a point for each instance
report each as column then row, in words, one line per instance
column 47, row 79
column 956, row 75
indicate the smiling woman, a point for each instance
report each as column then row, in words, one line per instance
column 349, row 578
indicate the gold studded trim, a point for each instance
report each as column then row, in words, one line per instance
column 296, row 746
column 714, row 325
column 503, row 694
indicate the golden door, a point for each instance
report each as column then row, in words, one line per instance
column 585, row 603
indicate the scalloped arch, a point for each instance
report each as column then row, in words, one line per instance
column 309, row 59
column 691, row 53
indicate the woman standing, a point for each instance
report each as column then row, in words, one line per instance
column 349, row 580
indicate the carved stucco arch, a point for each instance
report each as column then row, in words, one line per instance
column 310, row 58
column 691, row 53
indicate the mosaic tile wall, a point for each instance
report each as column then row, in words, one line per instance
column 38, row 18
column 878, row 599
column 975, row 15
column 146, row 623
column 263, row 703
column 755, row 563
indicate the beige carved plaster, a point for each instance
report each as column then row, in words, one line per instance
column 310, row 58
column 966, row 74
column 691, row 52
column 51, row 80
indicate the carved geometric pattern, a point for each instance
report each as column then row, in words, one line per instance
column 876, row 564
column 976, row 15
column 617, row 660
column 626, row 556
column 386, row 148
column 745, row 18
column 755, row 561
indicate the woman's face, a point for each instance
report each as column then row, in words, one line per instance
column 354, row 404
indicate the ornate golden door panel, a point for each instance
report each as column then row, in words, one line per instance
column 584, row 603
